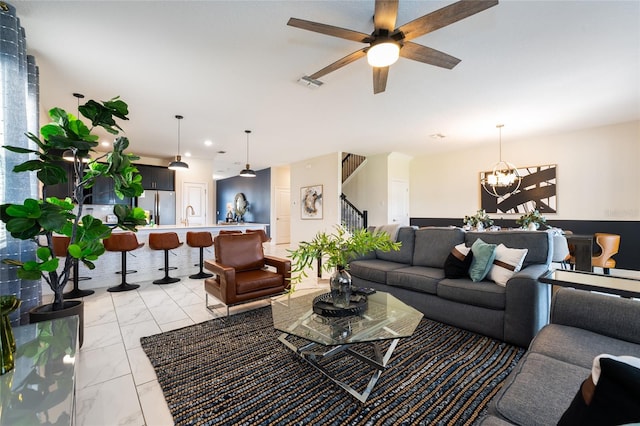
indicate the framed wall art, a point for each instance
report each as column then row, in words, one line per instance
column 311, row 202
column 537, row 192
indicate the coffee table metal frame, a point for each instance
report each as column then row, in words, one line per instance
column 312, row 352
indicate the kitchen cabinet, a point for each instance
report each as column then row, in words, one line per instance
column 157, row 177
column 61, row 190
column 103, row 193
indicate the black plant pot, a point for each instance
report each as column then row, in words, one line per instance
column 71, row 307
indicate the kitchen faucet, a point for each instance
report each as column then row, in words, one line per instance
column 186, row 214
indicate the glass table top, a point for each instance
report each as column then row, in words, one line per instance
column 385, row 318
column 622, row 286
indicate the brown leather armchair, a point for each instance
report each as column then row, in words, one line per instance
column 240, row 273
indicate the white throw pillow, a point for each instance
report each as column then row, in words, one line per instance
column 508, row 261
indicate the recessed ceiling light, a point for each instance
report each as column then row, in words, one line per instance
column 187, row 154
column 222, row 152
column 208, row 143
column 105, row 143
column 437, row 136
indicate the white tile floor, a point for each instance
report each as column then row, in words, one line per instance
column 116, row 383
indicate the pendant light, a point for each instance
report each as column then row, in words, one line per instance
column 178, row 164
column 504, row 179
column 247, row 172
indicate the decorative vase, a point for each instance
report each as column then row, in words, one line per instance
column 532, row 226
column 340, row 282
column 8, row 304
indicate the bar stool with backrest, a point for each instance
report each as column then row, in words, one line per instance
column 261, row 232
column 123, row 242
column 200, row 240
column 609, row 245
column 60, row 247
column 164, row 241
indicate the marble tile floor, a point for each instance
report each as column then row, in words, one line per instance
column 116, row 384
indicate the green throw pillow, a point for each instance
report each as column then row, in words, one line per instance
column 483, row 256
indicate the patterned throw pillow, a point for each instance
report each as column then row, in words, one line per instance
column 458, row 262
column 508, row 261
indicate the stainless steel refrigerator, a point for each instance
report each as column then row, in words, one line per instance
column 161, row 206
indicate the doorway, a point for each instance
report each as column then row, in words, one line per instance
column 399, row 206
column 194, row 194
column 283, row 216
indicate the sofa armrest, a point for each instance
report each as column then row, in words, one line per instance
column 226, row 276
column 611, row 316
column 283, row 267
column 527, row 305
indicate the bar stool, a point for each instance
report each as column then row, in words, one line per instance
column 60, row 247
column 164, row 241
column 201, row 240
column 122, row 242
column 261, row 232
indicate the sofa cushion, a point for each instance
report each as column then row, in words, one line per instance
column 433, row 245
column 458, row 262
column 483, row 256
column 373, row 269
column 553, row 340
column 507, row 262
column 418, row 278
column 406, row 236
column 538, row 390
column 484, row 294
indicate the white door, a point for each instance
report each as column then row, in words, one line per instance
column 399, row 202
column 283, row 216
column 194, row 194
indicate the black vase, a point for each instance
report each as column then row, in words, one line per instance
column 71, row 307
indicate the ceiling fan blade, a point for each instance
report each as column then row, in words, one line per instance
column 385, row 15
column 340, row 63
column 430, row 56
column 443, row 17
column 329, row 30
column 380, row 75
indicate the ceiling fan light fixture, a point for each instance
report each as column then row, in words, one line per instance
column 178, row 164
column 383, row 54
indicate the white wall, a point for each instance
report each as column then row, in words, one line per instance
column 368, row 189
column 598, row 174
column 326, row 171
column 200, row 171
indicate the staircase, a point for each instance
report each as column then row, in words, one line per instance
column 352, row 218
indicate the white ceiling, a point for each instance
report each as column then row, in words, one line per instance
column 539, row 67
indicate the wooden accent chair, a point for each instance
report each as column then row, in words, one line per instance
column 609, row 246
column 239, row 271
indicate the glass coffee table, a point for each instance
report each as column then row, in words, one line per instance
column 316, row 338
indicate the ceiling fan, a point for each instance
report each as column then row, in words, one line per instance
column 388, row 40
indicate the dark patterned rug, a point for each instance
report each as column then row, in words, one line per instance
column 235, row 371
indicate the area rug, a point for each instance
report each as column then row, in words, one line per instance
column 236, row 371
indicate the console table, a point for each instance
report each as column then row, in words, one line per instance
column 621, row 286
column 41, row 387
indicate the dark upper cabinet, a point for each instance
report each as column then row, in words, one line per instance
column 61, row 190
column 103, row 193
column 157, row 177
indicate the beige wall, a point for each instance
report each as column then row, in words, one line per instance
column 326, row 171
column 598, row 174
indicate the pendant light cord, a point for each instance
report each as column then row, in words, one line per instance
column 179, row 117
column 248, row 132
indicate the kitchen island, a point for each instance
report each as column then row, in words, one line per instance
column 150, row 263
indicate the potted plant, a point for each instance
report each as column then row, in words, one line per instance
column 337, row 249
column 38, row 220
column 532, row 221
column 479, row 221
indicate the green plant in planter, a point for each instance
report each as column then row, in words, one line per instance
column 532, row 217
column 480, row 218
column 337, row 249
column 39, row 220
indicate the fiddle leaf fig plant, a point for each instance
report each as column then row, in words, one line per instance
column 337, row 248
column 39, row 220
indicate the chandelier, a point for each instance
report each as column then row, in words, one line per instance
column 504, row 179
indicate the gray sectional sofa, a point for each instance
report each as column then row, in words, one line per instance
column 545, row 381
column 415, row 275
